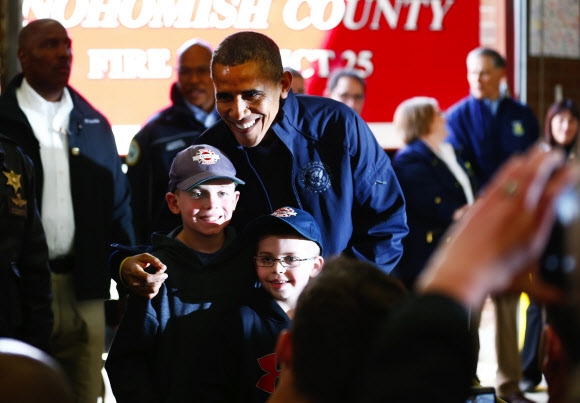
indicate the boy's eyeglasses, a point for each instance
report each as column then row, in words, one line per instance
column 285, row 261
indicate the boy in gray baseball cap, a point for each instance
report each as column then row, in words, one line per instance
column 207, row 267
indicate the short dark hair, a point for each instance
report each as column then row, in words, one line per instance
column 336, row 318
column 294, row 72
column 557, row 107
column 350, row 73
column 498, row 60
column 246, row 46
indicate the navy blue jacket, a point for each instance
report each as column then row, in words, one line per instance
column 334, row 169
column 25, row 287
column 152, row 353
column 101, row 194
column 239, row 362
column 432, row 194
column 149, row 160
column 487, row 141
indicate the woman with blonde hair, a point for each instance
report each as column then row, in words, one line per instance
column 437, row 187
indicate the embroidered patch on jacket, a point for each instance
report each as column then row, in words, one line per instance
column 134, row 153
column 16, row 204
column 284, row 212
column 206, row 157
column 315, row 177
column 517, row 128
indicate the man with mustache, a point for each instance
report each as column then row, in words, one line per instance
column 84, row 197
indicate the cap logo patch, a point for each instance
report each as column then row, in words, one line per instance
column 284, row 212
column 206, row 157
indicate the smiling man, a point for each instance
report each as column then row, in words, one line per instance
column 311, row 153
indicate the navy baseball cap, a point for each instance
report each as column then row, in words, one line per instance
column 197, row 164
column 286, row 217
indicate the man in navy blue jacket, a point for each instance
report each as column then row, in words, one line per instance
column 486, row 128
column 83, row 195
column 311, row 153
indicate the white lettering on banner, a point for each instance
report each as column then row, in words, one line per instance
column 129, row 63
column 294, row 59
column 339, row 11
column 153, row 63
column 316, row 17
column 361, row 61
column 241, row 14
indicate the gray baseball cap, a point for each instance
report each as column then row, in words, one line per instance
column 197, row 164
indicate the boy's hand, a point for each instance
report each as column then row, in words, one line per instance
column 144, row 283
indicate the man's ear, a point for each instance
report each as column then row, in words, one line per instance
column 286, row 82
column 284, row 349
column 171, row 199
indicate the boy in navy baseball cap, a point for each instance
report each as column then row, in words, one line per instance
column 240, row 363
column 207, row 266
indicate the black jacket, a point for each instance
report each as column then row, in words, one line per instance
column 100, row 191
column 25, row 288
column 239, row 362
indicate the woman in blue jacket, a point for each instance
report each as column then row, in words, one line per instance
column 437, row 187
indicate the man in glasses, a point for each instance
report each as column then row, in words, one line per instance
column 347, row 86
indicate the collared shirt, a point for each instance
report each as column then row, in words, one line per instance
column 447, row 155
column 49, row 121
column 207, row 119
column 492, row 104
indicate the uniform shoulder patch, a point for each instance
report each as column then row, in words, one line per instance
column 134, row 154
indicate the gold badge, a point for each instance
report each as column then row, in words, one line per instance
column 13, row 180
column 517, row 128
column 134, row 154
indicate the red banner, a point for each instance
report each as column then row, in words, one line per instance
column 124, row 50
